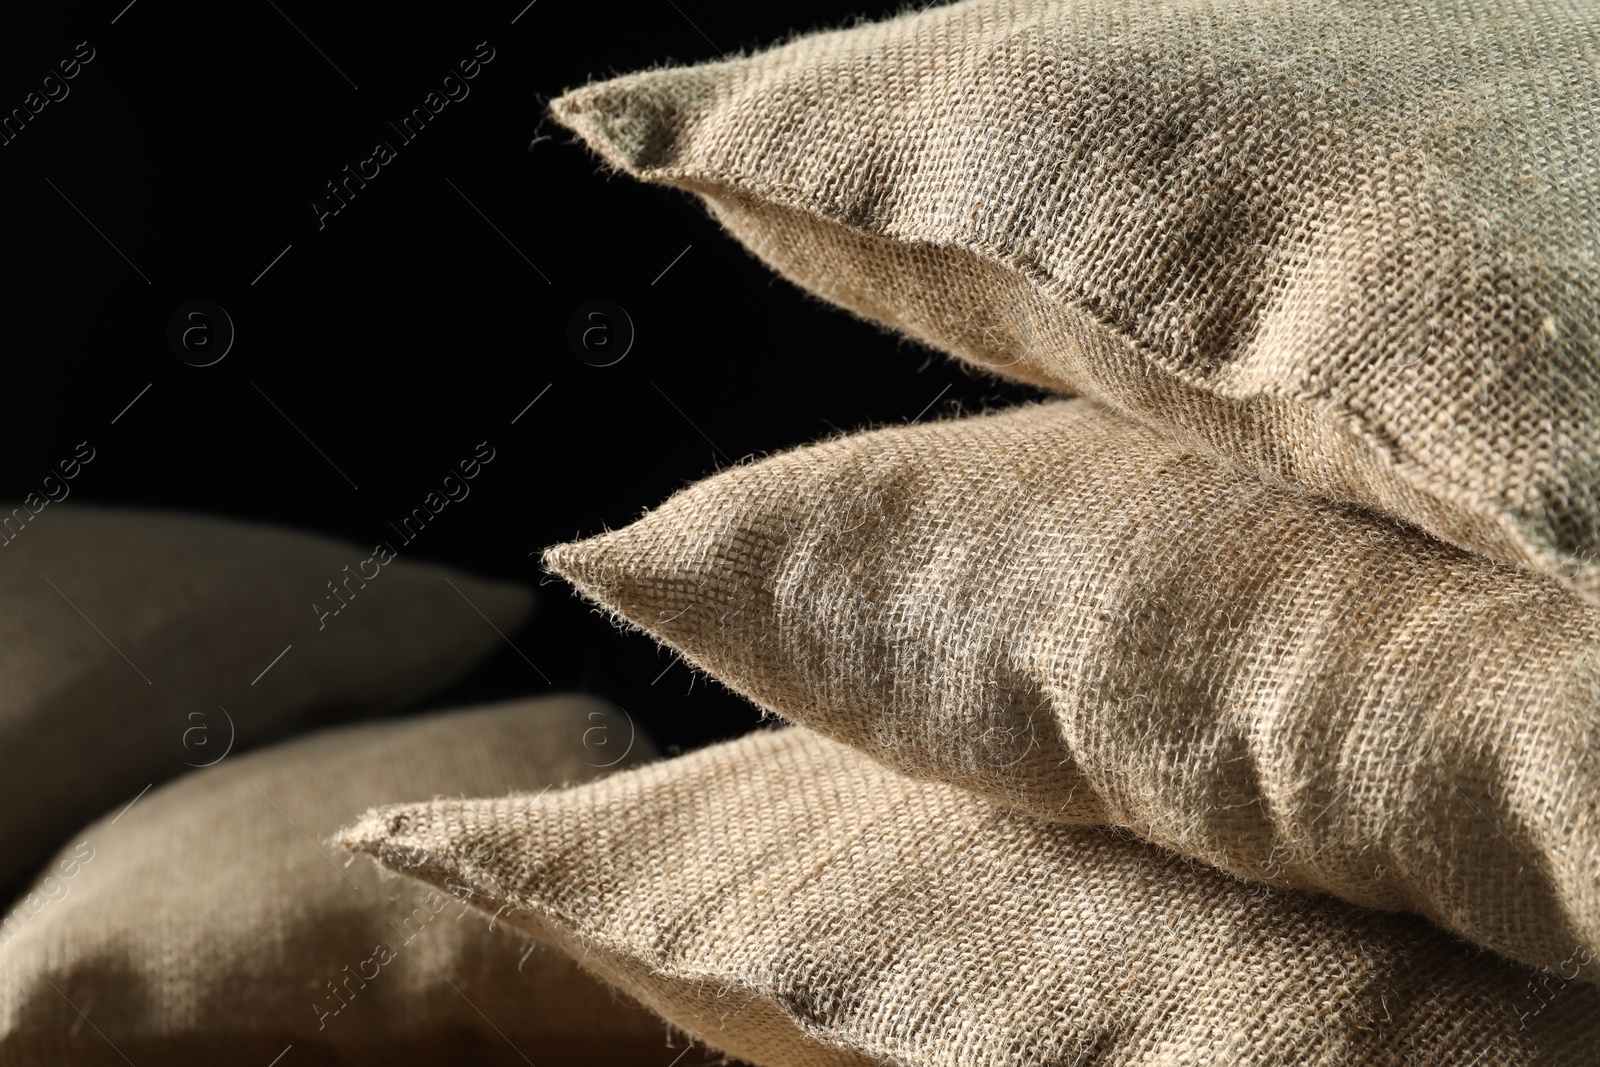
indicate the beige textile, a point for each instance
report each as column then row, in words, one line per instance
column 137, row 645
column 1082, row 619
column 1350, row 246
column 213, row 923
column 796, row 903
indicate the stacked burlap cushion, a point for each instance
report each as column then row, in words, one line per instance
column 212, row 923
column 1349, row 247
column 1287, row 594
column 139, row 645
column 1085, row 620
column 794, row 902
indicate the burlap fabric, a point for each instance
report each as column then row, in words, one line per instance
column 207, row 923
column 136, row 645
column 1351, row 247
column 794, row 902
column 1081, row 619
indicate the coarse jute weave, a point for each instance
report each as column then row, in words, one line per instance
column 1082, row 619
column 137, row 645
column 212, row 922
column 794, row 902
column 1350, row 246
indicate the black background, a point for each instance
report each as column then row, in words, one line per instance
column 413, row 324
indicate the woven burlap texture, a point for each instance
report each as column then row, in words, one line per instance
column 136, row 645
column 794, row 902
column 1351, row 247
column 208, row 920
column 1081, row 619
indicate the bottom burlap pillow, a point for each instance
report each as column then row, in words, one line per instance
column 211, row 922
column 794, row 902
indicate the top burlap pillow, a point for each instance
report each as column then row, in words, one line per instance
column 1350, row 246
column 136, row 645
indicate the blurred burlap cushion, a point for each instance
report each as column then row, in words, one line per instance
column 136, row 645
column 1349, row 246
column 212, row 922
column 1082, row 619
column 794, row 902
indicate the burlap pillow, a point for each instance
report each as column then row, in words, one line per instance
column 1349, row 246
column 212, row 922
column 135, row 645
column 794, row 902
column 1080, row 618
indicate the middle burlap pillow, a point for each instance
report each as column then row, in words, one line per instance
column 1077, row 617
